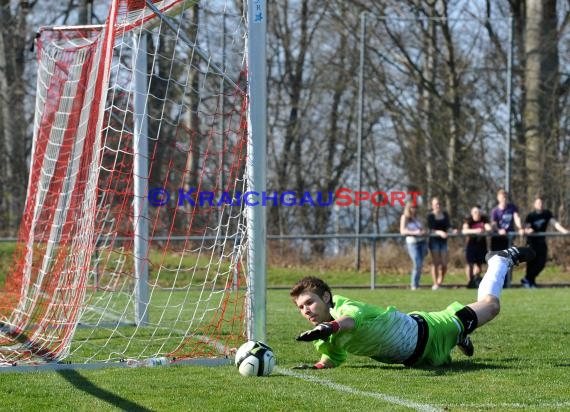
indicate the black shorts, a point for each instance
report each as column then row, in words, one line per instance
column 475, row 254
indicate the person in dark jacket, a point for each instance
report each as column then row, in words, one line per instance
column 537, row 222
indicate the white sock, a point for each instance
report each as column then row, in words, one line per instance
column 492, row 282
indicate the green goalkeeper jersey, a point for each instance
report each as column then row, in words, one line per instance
column 385, row 334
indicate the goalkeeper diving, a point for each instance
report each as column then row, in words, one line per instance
column 387, row 335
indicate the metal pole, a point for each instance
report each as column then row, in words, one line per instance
column 359, row 135
column 223, row 135
column 509, row 108
column 140, row 170
column 256, row 166
column 373, row 264
column 223, row 105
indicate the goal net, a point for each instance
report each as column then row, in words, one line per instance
column 134, row 231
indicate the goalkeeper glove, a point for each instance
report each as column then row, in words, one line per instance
column 321, row 331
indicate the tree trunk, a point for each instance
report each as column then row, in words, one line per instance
column 454, row 104
column 13, row 132
column 428, row 106
column 84, row 11
column 541, row 106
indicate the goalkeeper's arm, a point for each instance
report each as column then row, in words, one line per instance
column 326, row 329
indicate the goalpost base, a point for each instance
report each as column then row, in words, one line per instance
column 57, row 366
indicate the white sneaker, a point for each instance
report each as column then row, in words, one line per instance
column 435, row 287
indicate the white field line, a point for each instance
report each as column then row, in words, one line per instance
column 347, row 389
column 420, row 406
column 553, row 406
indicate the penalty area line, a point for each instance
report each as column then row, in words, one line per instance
column 347, row 389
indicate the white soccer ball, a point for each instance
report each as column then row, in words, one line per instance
column 254, row 359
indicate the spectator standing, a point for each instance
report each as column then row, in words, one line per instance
column 505, row 219
column 438, row 224
column 414, row 230
column 476, row 225
column 537, row 222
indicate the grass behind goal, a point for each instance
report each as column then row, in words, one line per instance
column 521, row 361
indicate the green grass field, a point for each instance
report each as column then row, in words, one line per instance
column 521, row 362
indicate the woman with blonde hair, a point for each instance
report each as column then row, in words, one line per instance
column 413, row 228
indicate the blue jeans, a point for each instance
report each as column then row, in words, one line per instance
column 417, row 252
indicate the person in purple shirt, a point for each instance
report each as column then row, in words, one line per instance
column 505, row 219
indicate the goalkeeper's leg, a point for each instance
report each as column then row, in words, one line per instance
column 488, row 304
column 490, row 288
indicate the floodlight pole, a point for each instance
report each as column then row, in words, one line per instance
column 509, row 108
column 358, row 218
column 140, row 170
column 256, row 167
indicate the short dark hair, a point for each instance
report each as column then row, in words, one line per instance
column 310, row 284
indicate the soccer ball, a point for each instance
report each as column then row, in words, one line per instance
column 254, row 359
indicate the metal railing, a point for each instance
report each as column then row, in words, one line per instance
column 372, row 238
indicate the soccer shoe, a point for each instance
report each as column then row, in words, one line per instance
column 466, row 346
column 515, row 254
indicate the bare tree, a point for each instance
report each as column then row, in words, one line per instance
column 424, row 67
column 542, row 88
column 312, row 109
column 434, row 116
column 14, row 138
column 85, row 12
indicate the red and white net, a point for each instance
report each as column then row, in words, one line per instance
column 75, row 290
